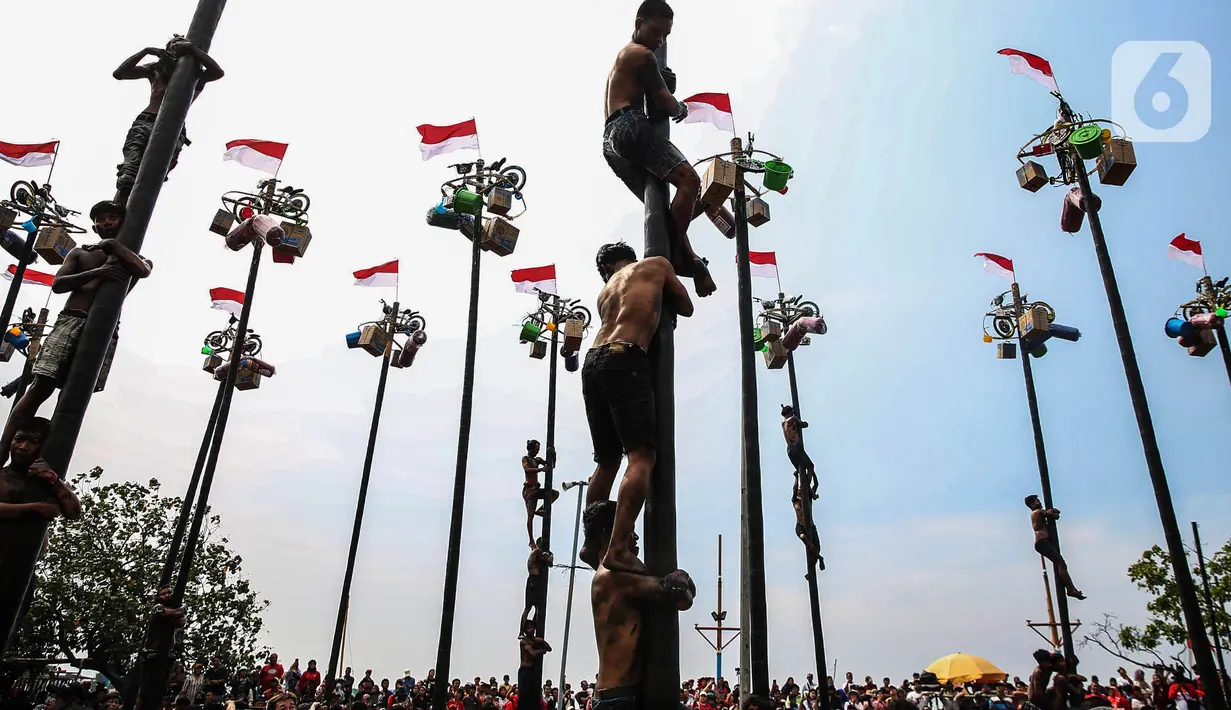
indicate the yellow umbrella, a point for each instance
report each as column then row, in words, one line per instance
column 964, row 668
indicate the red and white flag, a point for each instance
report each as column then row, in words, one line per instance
column 542, row 278
column 227, row 299
column 30, row 277
column 763, row 264
column 438, row 140
column 384, row 275
column 1186, row 250
column 29, row 155
column 1032, row 65
column 265, row 156
column 998, row 265
column 710, row 108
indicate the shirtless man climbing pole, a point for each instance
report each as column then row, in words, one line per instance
column 1045, row 545
column 634, row 151
column 531, row 490
column 83, row 271
column 537, row 565
column 158, row 73
column 616, row 387
column 617, row 599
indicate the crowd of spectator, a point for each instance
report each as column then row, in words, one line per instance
column 273, row 686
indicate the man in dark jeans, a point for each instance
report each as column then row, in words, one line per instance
column 158, row 73
column 618, row 394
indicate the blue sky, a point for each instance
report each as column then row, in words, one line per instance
column 902, row 124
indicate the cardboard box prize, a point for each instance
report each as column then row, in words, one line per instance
column 53, row 244
column 574, row 328
column 1034, row 326
column 758, row 212
column 247, row 377
column 499, row 236
column 223, row 222
column 718, row 182
column 775, row 355
column 373, row 338
column 297, row 238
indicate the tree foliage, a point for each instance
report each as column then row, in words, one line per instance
column 1164, row 633
column 96, row 584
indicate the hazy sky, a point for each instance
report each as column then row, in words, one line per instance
column 901, row 122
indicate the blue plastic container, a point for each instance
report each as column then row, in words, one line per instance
column 18, row 340
column 352, row 339
column 571, row 362
column 1178, row 328
column 1064, row 332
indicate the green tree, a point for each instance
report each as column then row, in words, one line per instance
column 1164, row 633
column 96, row 585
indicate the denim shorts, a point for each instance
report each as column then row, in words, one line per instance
column 633, row 149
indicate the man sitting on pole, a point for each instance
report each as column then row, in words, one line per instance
column 159, row 74
column 618, row 392
column 635, row 152
column 83, row 271
column 532, row 491
column 617, row 599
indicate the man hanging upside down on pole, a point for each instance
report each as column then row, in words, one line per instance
column 635, row 152
column 805, row 480
column 618, row 599
column 618, row 393
column 1046, row 546
column 532, row 491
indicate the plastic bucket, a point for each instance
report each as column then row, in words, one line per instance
column 571, row 363
column 352, row 339
column 1039, row 350
column 530, row 331
column 776, row 175
column 1088, row 141
column 1178, row 328
column 467, row 202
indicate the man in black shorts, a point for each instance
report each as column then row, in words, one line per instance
column 1045, row 544
column 539, row 562
column 618, row 392
column 634, row 151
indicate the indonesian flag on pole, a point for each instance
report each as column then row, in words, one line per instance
column 30, row 277
column 384, row 275
column 1031, row 65
column 265, row 156
column 542, row 278
column 998, row 264
column 438, row 140
column 29, row 155
column 1187, row 251
column 227, row 299
column 763, row 264
column 710, row 108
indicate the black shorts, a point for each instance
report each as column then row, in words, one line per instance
column 1047, row 548
column 533, row 584
column 633, row 149
column 798, row 457
column 619, row 397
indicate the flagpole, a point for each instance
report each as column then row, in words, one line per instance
column 478, row 146
column 55, row 154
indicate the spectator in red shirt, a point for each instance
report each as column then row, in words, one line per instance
column 271, row 674
column 309, row 681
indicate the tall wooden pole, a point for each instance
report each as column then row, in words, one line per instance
column 660, row 641
column 335, row 650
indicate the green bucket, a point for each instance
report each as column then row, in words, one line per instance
column 467, row 202
column 776, row 175
column 530, row 331
column 1221, row 312
column 1088, row 141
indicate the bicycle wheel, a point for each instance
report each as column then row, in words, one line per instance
column 581, row 312
column 1051, row 312
column 1004, row 326
column 515, row 177
column 253, row 345
column 216, row 340
column 296, row 206
column 416, row 323
column 808, row 309
column 23, row 193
